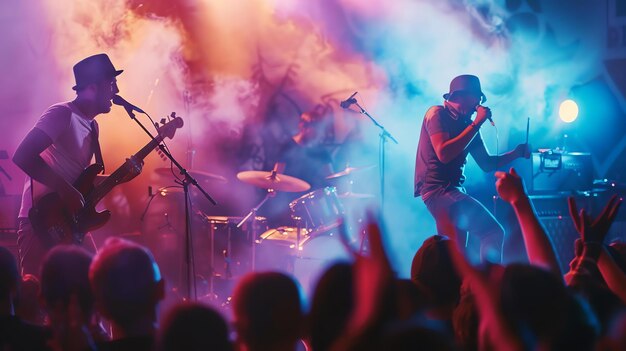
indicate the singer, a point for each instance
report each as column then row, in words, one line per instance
column 447, row 136
column 59, row 147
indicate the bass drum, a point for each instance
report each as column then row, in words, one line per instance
column 316, row 254
column 276, row 251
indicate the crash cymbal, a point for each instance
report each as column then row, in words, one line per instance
column 272, row 180
column 348, row 171
column 200, row 176
column 351, row 195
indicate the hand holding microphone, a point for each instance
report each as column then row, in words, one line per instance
column 483, row 113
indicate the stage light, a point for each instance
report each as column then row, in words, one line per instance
column 568, row 111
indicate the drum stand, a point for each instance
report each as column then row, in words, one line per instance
column 212, row 295
column 300, row 225
column 252, row 213
column 212, row 227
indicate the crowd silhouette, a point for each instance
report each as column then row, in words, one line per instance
column 110, row 300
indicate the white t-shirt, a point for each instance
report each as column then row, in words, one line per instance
column 71, row 150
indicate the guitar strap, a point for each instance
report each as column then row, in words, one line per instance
column 96, row 144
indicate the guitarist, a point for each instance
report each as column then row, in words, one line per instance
column 60, row 146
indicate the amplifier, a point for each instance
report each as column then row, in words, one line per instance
column 560, row 172
column 556, row 205
column 562, row 235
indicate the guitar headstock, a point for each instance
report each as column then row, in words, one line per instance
column 168, row 129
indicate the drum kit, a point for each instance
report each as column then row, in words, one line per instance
column 303, row 248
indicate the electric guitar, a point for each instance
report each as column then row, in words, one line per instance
column 55, row 224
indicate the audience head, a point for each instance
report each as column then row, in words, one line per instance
column 126, row 283
column 615, row 338
column 331, row 306
column 601, row 299
column 534, row 301
column 581, row 329
column 192, row 326
column 409, row 299
column 267, row 311
column 65, row 275
column 435, row 276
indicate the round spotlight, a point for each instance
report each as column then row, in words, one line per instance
column 568, row 111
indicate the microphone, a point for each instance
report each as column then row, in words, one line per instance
column 349, row 101
column 491, row 121
column 118, row 100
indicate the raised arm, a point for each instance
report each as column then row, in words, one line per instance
column 593, row 233
column 510, row 187
column 373, row 285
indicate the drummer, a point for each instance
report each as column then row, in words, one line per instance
column 303, row 156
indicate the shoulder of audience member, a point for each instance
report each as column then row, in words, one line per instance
column 23, row 335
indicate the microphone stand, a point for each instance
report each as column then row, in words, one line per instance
column 188, row 179
column 383, row 136
column 191, row 152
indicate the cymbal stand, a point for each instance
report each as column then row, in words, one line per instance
column 252, row 213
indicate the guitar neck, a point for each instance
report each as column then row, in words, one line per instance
column 118, row 176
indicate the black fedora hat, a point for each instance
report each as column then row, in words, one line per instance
column 94, row 69
column 467, row 83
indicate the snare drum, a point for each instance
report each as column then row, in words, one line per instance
column 318, row 211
